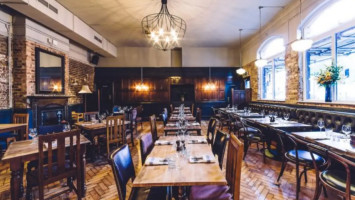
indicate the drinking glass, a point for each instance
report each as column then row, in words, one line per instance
column 286, row 116
column 346, row 129
column 262, row 113
column 328, row 131
column 320, row 124
column 245, row 109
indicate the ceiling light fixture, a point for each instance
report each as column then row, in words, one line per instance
column 241, row 70
column 259, row 61
column 164, row 30
column 301, row 44
column 210, row 85
column 141, row 86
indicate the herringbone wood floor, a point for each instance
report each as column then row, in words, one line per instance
column 257, row 178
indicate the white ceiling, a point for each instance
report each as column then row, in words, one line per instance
column 210, row 23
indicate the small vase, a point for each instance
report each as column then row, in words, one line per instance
column 328, row 93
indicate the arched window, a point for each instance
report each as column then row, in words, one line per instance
column 272, row 76
column 332, row 28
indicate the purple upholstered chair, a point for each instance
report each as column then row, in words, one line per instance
column 146, row 144
column 123, row 170
column 233, row 176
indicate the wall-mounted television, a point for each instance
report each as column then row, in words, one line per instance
column 49, row 72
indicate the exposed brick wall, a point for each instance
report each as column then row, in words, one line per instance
column 4, row 74
column 24, row 72
column 77, row 72
column 294, row 83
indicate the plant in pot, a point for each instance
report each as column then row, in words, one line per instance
column 327, row 78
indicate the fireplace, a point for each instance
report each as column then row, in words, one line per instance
column 49, row 109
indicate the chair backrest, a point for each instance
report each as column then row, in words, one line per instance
column 219, row 145
column 134, row 114
column 123, row 169
column 88, row 115
column 234, row 165
column 21, row 118
column 58, row 146
column 171, row 109
column 115, row 131
column 44, row 130
column 146, row 145
column 140, row 110
column 198, row 115
column 153, row 127
column 193, row 109
column 115, row 109
column 211, row 129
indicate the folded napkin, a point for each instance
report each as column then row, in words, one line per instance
column 349, row 151
column 170, row 124
column 156, row 161
column 199, row 141
column 163, row 142
column 195, row 124
column 202, row 159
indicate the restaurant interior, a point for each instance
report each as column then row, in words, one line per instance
column 177, row 99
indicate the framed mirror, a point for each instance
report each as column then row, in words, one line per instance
column 49, row 72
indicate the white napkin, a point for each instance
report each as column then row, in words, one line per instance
column 170, row 124
column 195, row 124
column 163, row 142
column 199, row 141
column 156, row 161
column 202, row 159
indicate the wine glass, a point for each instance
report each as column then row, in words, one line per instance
column 346, row 129
column 286, row 116
column 262, row 113
column 320, row 124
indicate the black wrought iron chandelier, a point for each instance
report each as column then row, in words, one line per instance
column 164, row 30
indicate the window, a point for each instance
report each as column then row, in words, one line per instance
column 334, row 41
column 273, row 75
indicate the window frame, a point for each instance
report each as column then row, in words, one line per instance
column 332, row 34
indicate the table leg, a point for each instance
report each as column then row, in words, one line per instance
column 169, row 193
column 199, row 132
column 166, row 133
column 83, row 170
column 15, row 167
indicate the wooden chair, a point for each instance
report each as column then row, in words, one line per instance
column 233, row 176
column 171, row 109
column 115, row 132
column 54, row 165
column 339, row 179
column 193, row 109
column 211, row 130
column 123, row 170
column 300, row 157
column 132, row 126
column 153, row 127
column 140, row 116
column 146, row 146
column 219, row 145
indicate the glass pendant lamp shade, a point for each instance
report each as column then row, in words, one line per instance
column 164, row 30
column 241, row 71
column 301, row 45
column 260, row 62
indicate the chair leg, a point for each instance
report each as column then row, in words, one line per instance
column 264, row 156
column 317, row 191
column 132, row 139
column 283, row 166
column 29, row 191
column 325, row 191
column 298, row 179
column 246, row 146
column 305, row 174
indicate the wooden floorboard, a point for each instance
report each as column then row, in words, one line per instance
column 258, row 179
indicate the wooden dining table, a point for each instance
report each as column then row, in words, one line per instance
column 21, row 128
column 172, row 127
column 20, row 152
column 175, row 117
column 340, row 145
column 184, row 173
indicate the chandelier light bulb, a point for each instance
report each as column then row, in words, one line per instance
column 161, row 32
column 152, row 35
column 167, row 39
column 241, row 71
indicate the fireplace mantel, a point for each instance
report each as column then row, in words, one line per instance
column 47, row 102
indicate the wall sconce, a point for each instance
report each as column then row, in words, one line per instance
column 141, row 86
column 210, row 85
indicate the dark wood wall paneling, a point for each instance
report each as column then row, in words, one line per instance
column 117, row 85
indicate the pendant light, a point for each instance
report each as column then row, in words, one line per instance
column 259, row 61
column 301, row 44
column 241, row 70
column 210, row 85
column 141, row 86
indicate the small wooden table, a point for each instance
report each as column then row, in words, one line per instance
column 185, row 173
column 4, row 128
column 175, row 117
column 20, row 152
column 342, row 147
column 171, row 127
